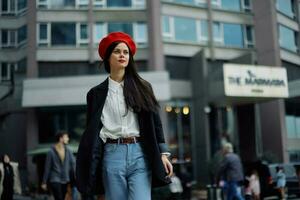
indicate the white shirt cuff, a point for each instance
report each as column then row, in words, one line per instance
column 166, row 153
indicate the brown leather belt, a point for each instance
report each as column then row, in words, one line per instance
column 128, row 140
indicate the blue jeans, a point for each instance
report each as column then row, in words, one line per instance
column 126, row 174
column 232, row 191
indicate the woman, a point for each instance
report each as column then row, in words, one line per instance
column 122, row 152
column 280, row 181
column 7, row 179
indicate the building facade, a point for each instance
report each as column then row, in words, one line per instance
column 49, row 60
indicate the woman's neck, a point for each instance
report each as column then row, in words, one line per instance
column 60, row 145
column 117, row 76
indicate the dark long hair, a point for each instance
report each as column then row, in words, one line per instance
column 137, row 91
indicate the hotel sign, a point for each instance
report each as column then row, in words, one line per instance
column 255, row 81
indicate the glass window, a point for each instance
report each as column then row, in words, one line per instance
column 185, row 1
column 62, row 3
column 12, row 37
column 83, row 31
column 22, row 4
column 291, row 126
column 287, row 38
column 118, row 3
column 217, row 32
column 286, row 7
column 99, row 3
column 124, row 27
column 8, row 38
column 4, row 5
column 99, row 32
column 249, row 36
column 200, row 2
column 168, row 27
column 247, row 6
column 43, row 32
column 216, row 3
column 83, row 34
column 12, row 5
column 185, row 29
column 231, row 5
column 83, row 3
column 4, row 37
column 69, row 3
column 140, row 32
column 203, row 30
column 5, row 71
column 139, row 3
column 233, row 35
column 22, row 34
column 8, row 6
column 42, row 4
column 63, row 34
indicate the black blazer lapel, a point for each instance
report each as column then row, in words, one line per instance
column 100, row 96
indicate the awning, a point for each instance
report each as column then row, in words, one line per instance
column 68, row 91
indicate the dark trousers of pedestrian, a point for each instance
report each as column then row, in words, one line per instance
column 232, row 191
column 59, row 190
column 7, row 194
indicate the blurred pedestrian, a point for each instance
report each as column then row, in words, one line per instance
column 280, row 181
column 232, row 172
column 255, row 185
column 123, row 150
column 247, row 189
column 9, row 178
column 59, row 167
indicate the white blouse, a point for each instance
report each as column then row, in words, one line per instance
column 115, row 123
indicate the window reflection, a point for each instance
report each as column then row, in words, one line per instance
column 185, row 29
column 231, row 5
column 118, row 3
column 124, row 27
column 286, row 7
column 287, row 38
column 233, row 35
column 63, row 34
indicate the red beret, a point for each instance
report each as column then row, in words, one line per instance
column 114, row 37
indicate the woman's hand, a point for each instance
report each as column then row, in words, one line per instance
column 167, row 164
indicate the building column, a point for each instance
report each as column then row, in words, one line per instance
column 31, row 72
column 156, row 59
column 32, row 66
column 32, row 142
column 200, row 119
column 272, row 114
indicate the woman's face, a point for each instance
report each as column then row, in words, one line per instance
column 119, row 57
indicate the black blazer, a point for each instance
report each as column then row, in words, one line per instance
column 90, row 151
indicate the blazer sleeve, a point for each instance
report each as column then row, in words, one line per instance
column 47, row 167
column 90, row 100
column 163, row 147
column 159, row 133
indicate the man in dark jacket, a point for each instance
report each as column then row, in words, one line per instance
column 59, row 167
column 231, row 172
